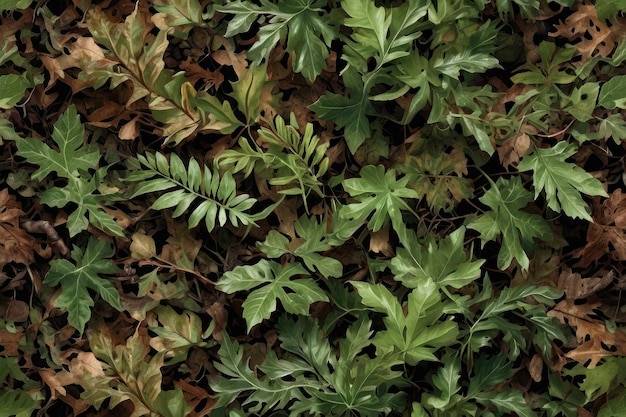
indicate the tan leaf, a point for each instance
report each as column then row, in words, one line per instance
column 588, row 34
column 142, row 246
column 608, row 228
column 577, row 287
column 50, row 379
column 513, row 149
column 14, row 310
column 379, row 242
column 595, row 341
column 16, row 245
column 10, row 342
column 535, row 368
column 130, row 130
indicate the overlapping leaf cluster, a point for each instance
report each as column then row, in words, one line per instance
column 312, row 208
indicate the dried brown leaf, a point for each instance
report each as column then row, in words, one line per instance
column 607, row 233
column 595, row 341
column 513, row 149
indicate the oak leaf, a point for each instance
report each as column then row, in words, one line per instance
column 590, row 35
column 16, row 245
column 607, row 233
column 595, row 341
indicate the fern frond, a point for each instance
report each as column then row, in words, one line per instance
column 291, row 160
column 194, row 188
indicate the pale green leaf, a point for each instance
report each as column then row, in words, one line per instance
column 349, row 113
column 269, row 281
column 380, row 195
column 613, row 93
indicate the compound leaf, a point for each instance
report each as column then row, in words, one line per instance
column 517, row 228
column 444, row 261
column 271, row 281
column 73, row 155
column 380, row 193
column 77, row 279
column 563, row 182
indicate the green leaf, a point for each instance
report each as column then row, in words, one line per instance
column 583, row 101
column 247, row 91
column 614, row 407
column 240, row 379
column 517, row 228
column 303, row 22
column 314, row 240
column 506, row 401
column 172, row 403
column 271, row 281
column 349, row 113
column 293, row 161
column 419, row 333
column 446, row 381
column 601, row 379
column 217, row 197
column 89, row 206
column 614, row 127
column 488, row 373
column 76, row 279
column 14, row 4
column 182, row 14
column 13, row 88
column 16, row 402
column 378, row 192
column 613, row 93
column 444, row 261
column 562, row 181
column 608, row 9
column 474, row 57
column 73, row 155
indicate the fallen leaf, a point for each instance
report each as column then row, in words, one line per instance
column 379, row 242
column 595, row 341
column 513, row 149
column 142, row 246
column 577, row 287
column 607, row 232
column 535, row 368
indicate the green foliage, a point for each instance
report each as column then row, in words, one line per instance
column 444, row 262
column 562, row 181
column 73, row 155
column 416, row 334
column 304, row 20
column 292, row 161
column 271, row 282
column 73, row 161
column 380, row 193
column 217, row 194
column 517, row 228
column 406, row 208
column 341, row 386
column 315, row 240
column 77, row 279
